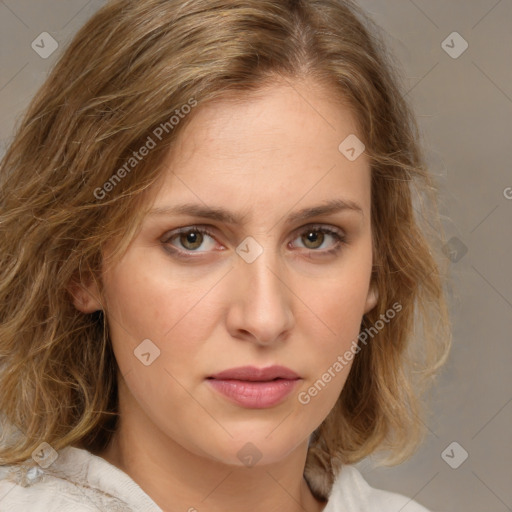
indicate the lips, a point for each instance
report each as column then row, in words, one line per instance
column 255, row 388
column 253, row 374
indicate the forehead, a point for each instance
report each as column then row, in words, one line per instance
column 271, row 148
column 274, row 118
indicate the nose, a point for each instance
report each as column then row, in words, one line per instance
column 261, row 301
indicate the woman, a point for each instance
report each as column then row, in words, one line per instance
column 217, row 292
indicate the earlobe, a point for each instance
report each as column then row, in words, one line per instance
column 85, row 296
column 372, row 298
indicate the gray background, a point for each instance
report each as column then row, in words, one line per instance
column 464, row 106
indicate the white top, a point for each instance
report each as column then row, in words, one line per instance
column 79, row 481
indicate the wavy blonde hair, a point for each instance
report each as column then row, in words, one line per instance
column 127, row 71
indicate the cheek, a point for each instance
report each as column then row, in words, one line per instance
column 146, row 301
column 332, row 341
column 336, row 334
column 340, row 302
column 339, row 307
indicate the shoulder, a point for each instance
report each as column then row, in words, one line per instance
column 76, row 482
column 352, row 493
column 27, row 490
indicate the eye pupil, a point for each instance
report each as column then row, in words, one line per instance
column 193, row 238
column 314, row 236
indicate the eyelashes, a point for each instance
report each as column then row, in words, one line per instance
column 192, row 238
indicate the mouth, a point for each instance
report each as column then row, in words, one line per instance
column 255, row 388
column 253, row 374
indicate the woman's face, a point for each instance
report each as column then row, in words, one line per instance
column 273, row 280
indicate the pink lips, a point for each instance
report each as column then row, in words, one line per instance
column 255, row 388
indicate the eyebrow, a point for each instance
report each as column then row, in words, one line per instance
column 222, row 215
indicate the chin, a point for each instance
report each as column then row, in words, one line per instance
column 259, row 448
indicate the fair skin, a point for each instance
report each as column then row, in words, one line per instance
column 295, row 305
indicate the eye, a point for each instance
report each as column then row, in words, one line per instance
column 186, row 241
column 191, row 238
column 315, row 236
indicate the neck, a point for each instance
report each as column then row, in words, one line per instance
column 177, row 479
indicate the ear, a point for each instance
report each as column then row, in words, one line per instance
column 85, row 295
column 372, row 298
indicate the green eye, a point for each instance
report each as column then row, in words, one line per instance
column 185, row 241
